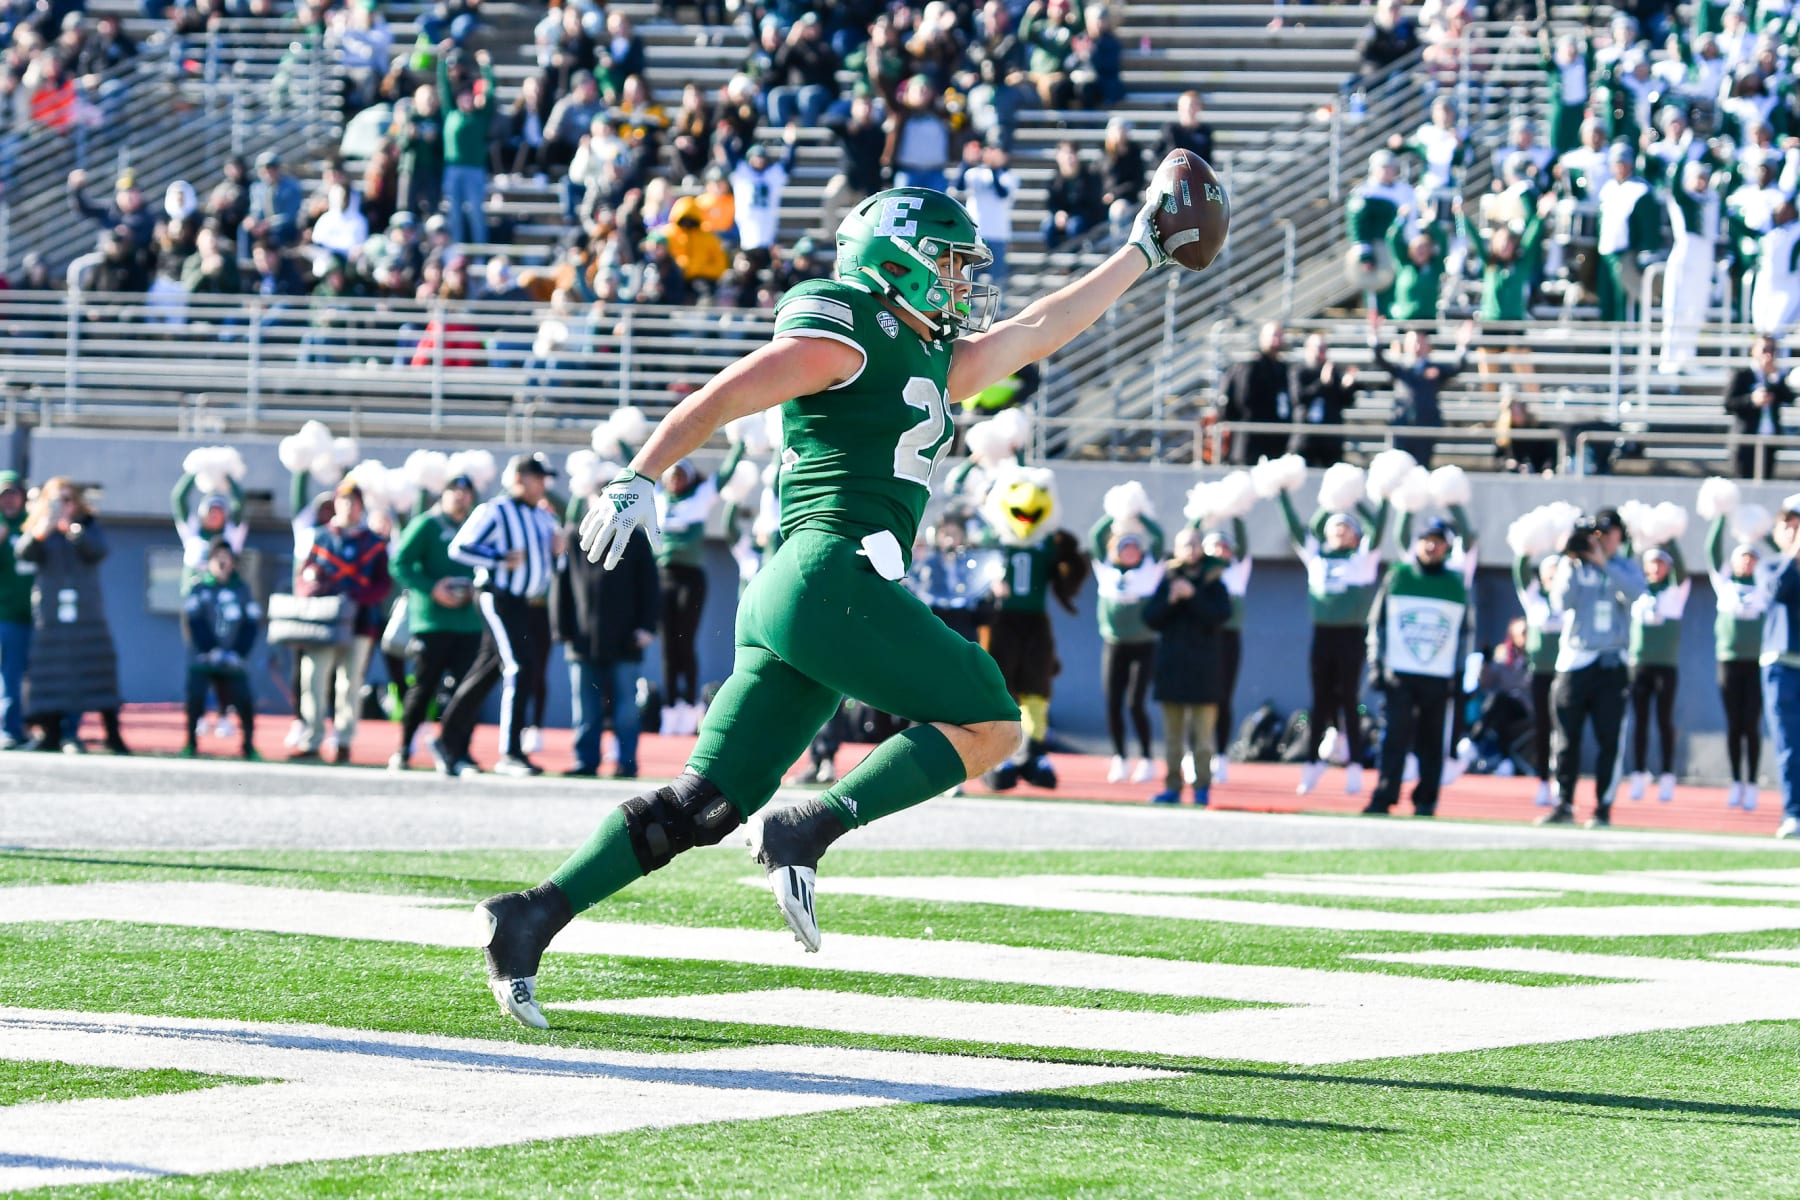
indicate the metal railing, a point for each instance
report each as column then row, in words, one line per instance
column 207, row 363
column 1763, row 445
column 246, row 93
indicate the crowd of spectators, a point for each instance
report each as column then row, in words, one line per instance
column 1669, row 136
column 662, row 206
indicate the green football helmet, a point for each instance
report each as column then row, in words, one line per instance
column 892, row 242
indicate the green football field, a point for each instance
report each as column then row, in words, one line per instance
column 1424, row 1022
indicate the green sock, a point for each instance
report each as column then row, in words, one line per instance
column 604, row 864
column 909, row 768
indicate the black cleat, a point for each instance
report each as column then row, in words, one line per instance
column 1602, row 818
column 516, row 927
column 1038, row 772
column 1562, row 814
column 787, row 844
column 1003, row 778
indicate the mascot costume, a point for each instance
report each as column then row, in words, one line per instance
column 1036, row 561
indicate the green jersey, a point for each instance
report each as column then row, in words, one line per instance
column 1028, row 571
column 859, row 458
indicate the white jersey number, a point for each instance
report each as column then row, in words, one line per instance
column 917, row 453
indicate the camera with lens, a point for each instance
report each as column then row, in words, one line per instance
column 1582, row 539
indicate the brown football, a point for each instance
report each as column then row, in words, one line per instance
column 1194, row 219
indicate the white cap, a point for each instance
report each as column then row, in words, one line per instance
column 1791, row 504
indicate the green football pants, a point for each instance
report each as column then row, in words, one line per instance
column 817, row 624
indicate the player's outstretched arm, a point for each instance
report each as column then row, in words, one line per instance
column 1044, row 327
column 771, row 375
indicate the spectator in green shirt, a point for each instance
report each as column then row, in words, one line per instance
column 446, row 625
column 466, row 124
column 1418, row 270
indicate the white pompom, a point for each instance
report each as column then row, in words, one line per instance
column 345, row 451
column 742, row 488
column 316, row 436
column 606, row 443
column 583, row 470
column 1342, row 488
column 1751, row 523
column 630, row 426
column 1272, row 477
column 988, row 444
column 1530, row 536
column 1413, row 493
column 301, row 450
column 752, row 432
column 1015, row 425
column 1201, row 499
column 1450, row 486
column 1386, row 470
column 214, row 468
column 1670, row 521
column 427, row 470
column 294, row 453
column 478, row 465
column 1128, row 501
column 325, row 470
column 1561, row 516
column 371, row 476
column 1718, row 497
column 1635, row 515
column 1234, row 496
column 772, row 428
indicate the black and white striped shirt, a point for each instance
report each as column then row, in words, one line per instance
column 497, row 528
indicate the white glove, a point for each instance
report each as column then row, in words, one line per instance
column 623, row 506
column 1143, row 230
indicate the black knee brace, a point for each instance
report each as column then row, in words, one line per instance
column 689, row 812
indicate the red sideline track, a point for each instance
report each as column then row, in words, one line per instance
column 1252, row 787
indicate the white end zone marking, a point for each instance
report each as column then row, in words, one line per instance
column 347, row 1093
column 1412, row 1016
column 1570, row 921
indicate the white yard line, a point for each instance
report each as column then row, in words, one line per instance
column 346, row 1093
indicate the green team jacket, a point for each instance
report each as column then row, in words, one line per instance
column 1416, row 288
column 1735, row 638
column 1122, row 620
column 1506, row 287
column 15, row 588
column 1656, row 617
column 1541, row 642
column 1416, row 623
column 421, row 559
column 1340, row 585
column 466, row 133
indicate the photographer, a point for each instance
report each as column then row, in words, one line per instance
column 445, row 624
column 1593, row 587
column 219, row 619
column 74, row 668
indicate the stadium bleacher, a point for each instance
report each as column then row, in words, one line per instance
column 1291, row 144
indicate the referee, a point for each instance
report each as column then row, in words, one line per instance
column 513, row 542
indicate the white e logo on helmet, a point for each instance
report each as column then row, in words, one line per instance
column 894, row 220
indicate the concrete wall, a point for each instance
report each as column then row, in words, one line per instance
column 137, row 471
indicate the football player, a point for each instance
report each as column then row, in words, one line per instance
column 865, row 368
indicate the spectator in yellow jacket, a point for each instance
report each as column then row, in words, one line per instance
column 697, row 250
